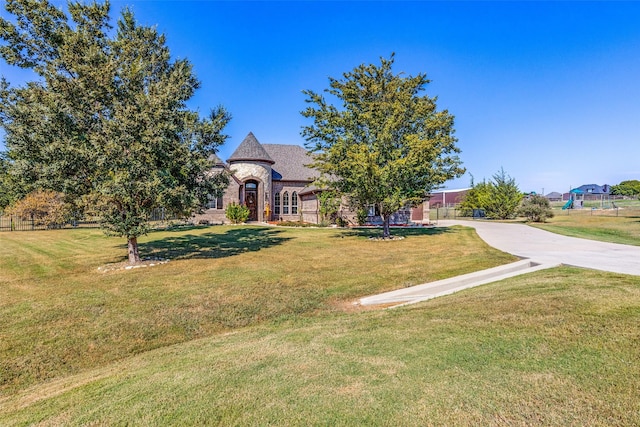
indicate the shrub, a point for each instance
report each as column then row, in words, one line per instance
column 341, row 222
column 237, row 213
column 362, row 215
column 537, row 209
column 44, row 207
column 476, row 199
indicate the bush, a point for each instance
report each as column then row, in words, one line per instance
column 237, row 213
column 361, row 216
column 341, row 222
column 537, row 209
column 329, row 203
column 43, row 207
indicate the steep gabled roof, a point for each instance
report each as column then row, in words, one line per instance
column 250, row 150
column 290, row 163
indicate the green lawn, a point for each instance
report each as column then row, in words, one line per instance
column 558, row 347
column 606, row 228
column 255, row 326
column 60, row 315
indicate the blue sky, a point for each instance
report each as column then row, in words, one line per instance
column 550, row 91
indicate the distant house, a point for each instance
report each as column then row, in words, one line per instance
column 588, row 192
column 595, row 189
column 554, row 196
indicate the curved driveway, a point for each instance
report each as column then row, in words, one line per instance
column 549, row 248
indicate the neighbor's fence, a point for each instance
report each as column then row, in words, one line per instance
column 602, row 207
column 16, row 223
column 445, row 212
column 621, row 208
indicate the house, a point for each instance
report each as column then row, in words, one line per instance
column 272, row 180
column 276, row 183
column 589, row 192
column 595, row 189
column 554, row 196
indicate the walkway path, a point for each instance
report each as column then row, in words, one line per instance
column 540, row 249
column 545, row 247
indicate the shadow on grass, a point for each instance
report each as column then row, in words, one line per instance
column 403, row 232
column 214, row 245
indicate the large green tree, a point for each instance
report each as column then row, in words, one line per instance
column 384, row 143
column 106, row 119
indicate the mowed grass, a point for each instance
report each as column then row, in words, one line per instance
column 60, row 316
column 557, row 347
column 621, row 229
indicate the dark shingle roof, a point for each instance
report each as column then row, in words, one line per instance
column 215, row 160
column 290, row 163
column 594, row 189
column 250, row 149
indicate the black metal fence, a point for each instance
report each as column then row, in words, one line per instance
column 17, row 223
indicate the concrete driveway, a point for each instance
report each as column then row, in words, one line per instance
column 549, row 248
column 540, row 249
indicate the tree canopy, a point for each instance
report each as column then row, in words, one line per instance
column 384, row 143
column 626, row 188
column 106, row 121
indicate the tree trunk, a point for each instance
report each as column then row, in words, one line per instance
column 386, row 231
column 132, row 244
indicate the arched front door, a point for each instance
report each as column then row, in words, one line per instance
column 251, row 199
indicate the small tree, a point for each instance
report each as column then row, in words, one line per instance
column 536, row 208
column 384, row 143
column 329, row 202
column 236, row 213
column 43, row 207
column 476, row 198
column 504, row 197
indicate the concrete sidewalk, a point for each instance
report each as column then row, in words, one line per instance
column 539, row 249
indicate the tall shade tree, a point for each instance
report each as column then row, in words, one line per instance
column 384, row 143
column 106, row 120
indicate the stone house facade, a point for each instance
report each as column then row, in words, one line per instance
column 272, row 180
column 275, row 182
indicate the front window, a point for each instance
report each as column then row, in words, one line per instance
column 294, row 203
column 214, row 203
column 276, row 204
column 372, row 210
column 285, row 203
